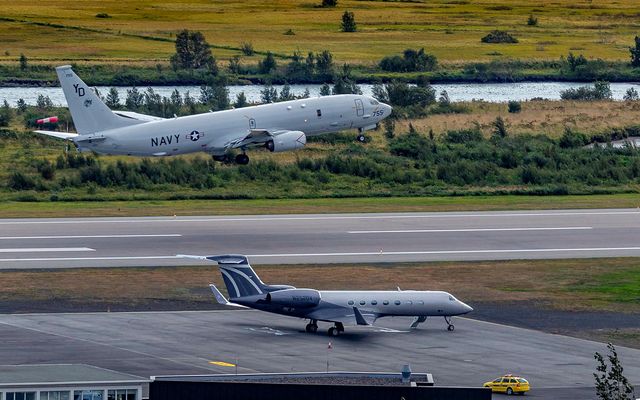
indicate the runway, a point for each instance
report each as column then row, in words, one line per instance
column 157, row 343
column 330, row 238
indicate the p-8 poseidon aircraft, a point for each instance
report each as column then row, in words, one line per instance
column 339, row 307
column 278, row 126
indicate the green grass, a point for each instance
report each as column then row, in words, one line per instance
column 10, row 209
column 621, row 286
column 142, row 30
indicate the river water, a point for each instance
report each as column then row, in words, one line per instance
column 493, row 92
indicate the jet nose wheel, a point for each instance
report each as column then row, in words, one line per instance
column 242, row 159
column 450, row 328
column 361, row 138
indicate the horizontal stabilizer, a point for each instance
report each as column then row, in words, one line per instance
column 59, row 135
column 137, row 116
column 221, row 299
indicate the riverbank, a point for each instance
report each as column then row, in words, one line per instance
column 161, row 74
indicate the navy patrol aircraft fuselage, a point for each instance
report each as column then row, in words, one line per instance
column 339, row 307
column 278, row 126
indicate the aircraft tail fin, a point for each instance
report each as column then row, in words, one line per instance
column 240, row 279
column 89, row 113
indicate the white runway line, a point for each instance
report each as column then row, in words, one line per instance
column 371, row 253
column 142, row 220
column 46, row 249
column 562, row 228
column 86, row 237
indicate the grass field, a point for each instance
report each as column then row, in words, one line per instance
column 10, row 209
column 451, row 29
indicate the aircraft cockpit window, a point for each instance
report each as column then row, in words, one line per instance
column 374, row 102
column 451, row 298
column 350, row 302
column 397, row 302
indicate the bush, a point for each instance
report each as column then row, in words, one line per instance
column 247, row 49
column 499, row 37
column 514, row 107
column 599, row 91
column 532, row 21
column 463, row 136
column 20, row 181
column 411, row 61
column 571, row 139
column 103, row 15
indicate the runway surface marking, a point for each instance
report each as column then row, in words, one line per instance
column 46, row 249
column 561, row 228
column 222, row 363
column 86, row 236
column 316, row 217
column 371, row 253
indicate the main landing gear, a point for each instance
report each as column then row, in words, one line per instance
column 242, row 159
column 450, row 326
column 336, row 330
column 312, row 327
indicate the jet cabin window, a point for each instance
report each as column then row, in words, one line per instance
column 386, row 302
column 374, row 302
column 350, row 302
column 319, row 112
column 397, row 302
column 362, row 302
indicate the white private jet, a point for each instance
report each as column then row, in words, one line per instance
column 278, row 126
column 335, row 306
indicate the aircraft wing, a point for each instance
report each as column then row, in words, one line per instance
column 59, row 135
column 353, row 316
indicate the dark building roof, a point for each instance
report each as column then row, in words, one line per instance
column 39, row 374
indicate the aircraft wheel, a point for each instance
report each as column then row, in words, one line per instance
column 450, row 328
column 223, row 158
column 333, row 331
column 311, row 328
column 361, row 138
column 242, row 159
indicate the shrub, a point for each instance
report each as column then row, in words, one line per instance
column 463, row 136
column 514, row 107
column 532, row 21
column 635, row 53
column 497, row 36
column 411, row 61
column 599, row 91
column 631, row 95
column 20, row 181
column 103, row 15
column 247, row 49
column 499, row 128
column 570, row 139
column 329, row 3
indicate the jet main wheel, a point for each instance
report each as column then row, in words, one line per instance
column 242, row 159
column 450, row 328
column 311, row 328
column 333, row 331
column 361, row 138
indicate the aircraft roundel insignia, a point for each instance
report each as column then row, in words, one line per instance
column 194, row 135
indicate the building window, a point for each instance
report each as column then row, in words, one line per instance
column 122, row 394
column 20, row 396
column 88, row 395
column 57, row 395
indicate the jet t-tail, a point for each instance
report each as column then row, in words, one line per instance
column 339, row 307
column 278, row 126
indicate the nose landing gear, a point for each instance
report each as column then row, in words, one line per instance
column 450, row 326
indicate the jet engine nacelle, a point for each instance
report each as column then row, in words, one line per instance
column 291, row 140
column 297, row 298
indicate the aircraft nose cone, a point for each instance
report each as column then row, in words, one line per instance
column 466, row 308
column 387, row 109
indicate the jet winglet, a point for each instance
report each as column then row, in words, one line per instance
column 221, row 299
column 359, row 318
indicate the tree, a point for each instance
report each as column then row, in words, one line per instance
column 348, row 22
column 269, row 94
column 514, row 106
column 234, row 64
column 113, row 99
column 215, row 95
column 532, row 21
column 611, row 384
column 22, row 105
column 268, row 64
column 241, row 100
column 325, row 90
column 23, row 62
column 635, row 53
column 324, row 63
column 193, row 52
column 6, row 114
column 134, row 100
column 247, row 49
column 631, row 95
column 285, row 93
